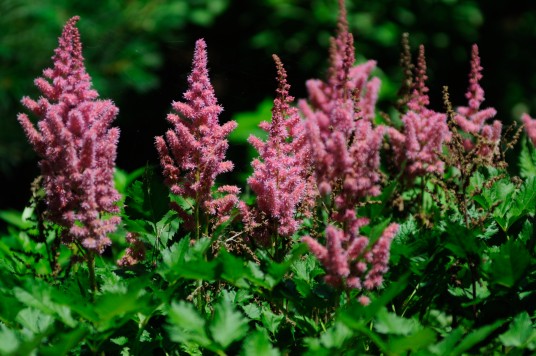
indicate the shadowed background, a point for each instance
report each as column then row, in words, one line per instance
column 139, row 55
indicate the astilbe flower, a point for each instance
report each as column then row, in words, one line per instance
column 76, row 145
column 472, row 119
column 192, row 153
column 530, row 127
column 135, row 253
column 420, row 143
column 345, row 153
column 339, row 113
column 350, row 260
column 279, row 177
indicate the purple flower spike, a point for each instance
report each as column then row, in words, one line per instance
column 192, row 153
column 345, row 146
column 280, row 173
column 472, row 119
column 76, row 145
column 424, row 131
column 350, row 260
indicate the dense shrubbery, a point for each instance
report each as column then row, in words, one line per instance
column 359, row 232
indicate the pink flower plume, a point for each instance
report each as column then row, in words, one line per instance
column 424, row 132
column 279, row 177
column 472, row 119
column 192, row 153
column 76, row 145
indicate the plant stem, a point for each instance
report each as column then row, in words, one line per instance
column 91, row 267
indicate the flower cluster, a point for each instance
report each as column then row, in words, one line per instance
column 279, row 177
column 424, row 132
column 345, row 146
column 472, row 120
column 192, row 153
column 350, row 261
column 76, row 145
column 345, row 153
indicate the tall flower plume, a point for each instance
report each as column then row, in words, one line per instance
column 76, row 145
column 420, row 143
column 192, row 153
column 472, row 119
column 280, row 174
column 345, row 153
column 339, row 113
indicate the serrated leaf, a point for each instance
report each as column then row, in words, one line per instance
column 520, row 334
column 187, row 324
column 527, row 160
column 228, row 325
column 524, row 201
column 258, row 344
column 509, row 263
column 270, row 320
column 336, row 336
column 390, row 323
column 120, row 340
column 253, row 311
column 34, row 320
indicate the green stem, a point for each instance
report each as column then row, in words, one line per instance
column 92, row 279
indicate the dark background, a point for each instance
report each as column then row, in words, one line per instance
column 139, row 55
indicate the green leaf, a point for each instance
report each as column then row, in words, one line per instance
column 509, row 263
column 527, row 160
column 187, row 324
column 258, row 343
column 336, row 336
column 253, row 311
column 10, row 342
column 270, row 320
column 228, row 325
column 520, row 334
column 416, row 341
column 475, row 337
column 445, row 347
column 34, row 320
column 524, row 201
column 390, row 323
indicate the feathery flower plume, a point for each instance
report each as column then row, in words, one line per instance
column 472, row 120
column 424, row 131
column 345, row 148
column 192, row 153
column 349, row 259
column 530, row 127
column 339, row 113
column 279, row 177
column 76, row 145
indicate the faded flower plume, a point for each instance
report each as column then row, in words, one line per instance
column 76, row 145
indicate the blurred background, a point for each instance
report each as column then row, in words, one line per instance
column 139, row 55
